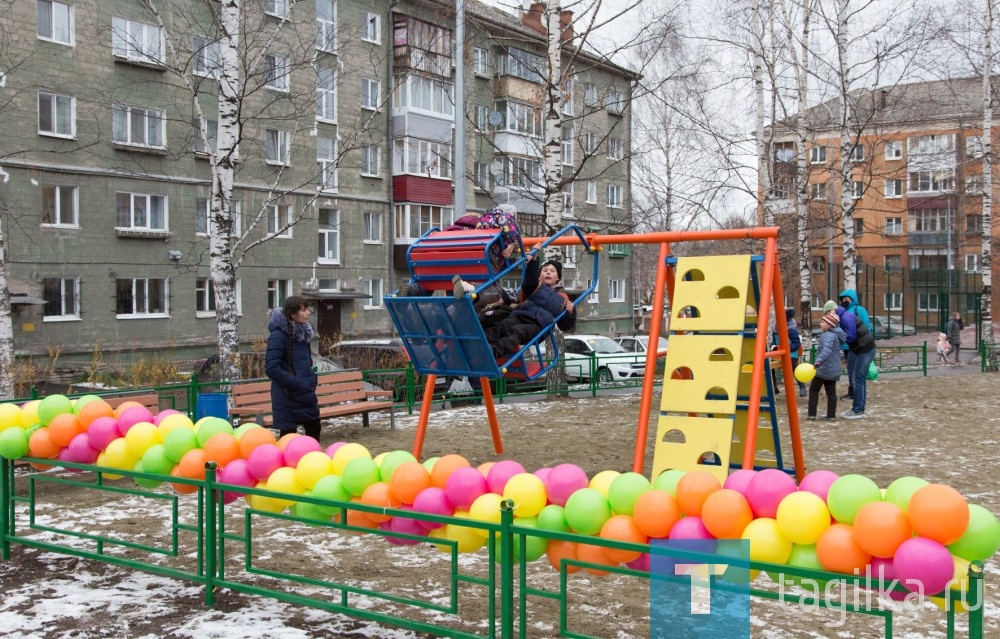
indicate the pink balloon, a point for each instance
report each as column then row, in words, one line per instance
column 563, row 481
column 334, row 447
column 433, row 501
column 297, row 448
column 464, row 486
column 640, row 563
column 740, row 480
column 406, row 526
column 690, row 528
column 542, row 473
column 882, row 570
column 133, row 416
column 498, row 475
column 102, row 432
column 818, row 482
column 923, row 565
column 66, row 456
column 766, row 490
column 80, row 450
column 164, row 413
column 264, row 460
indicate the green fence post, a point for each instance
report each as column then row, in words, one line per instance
column 6, row 512
column 923, row 354
column 507, row 570
column 211, row 559
column 977, row 595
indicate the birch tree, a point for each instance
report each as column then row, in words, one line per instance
column 986, row 303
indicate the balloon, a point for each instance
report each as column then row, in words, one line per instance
column 222, row 448
column 192, row 464
column 444, row 467
column 54, row 405
column 405, row 526
column 40, row 444
column 848, row 494
column 528, row 494
column 624, row 491
column 63, row 428
column 90, row 411
column 118, row 456
column 208, row 426
column 805, row 372
column 10, row 416
column 923, row 565
column 283, row 480
column 334, row 447
column 408, row 480
column 691, row 528
column 142, row 482
column 534, row 546
column 465, row 538
column 486, row 509
column 379, row 495
column 552, row 518
column 29, row 413
column 586, row 511
column 330, row 487
column 726, row 513
column 542, row 473
column 463, row 486
column 132, row 416
column 178, row 443
column 433, row 501
column 359, row 474
column 656, row 512
column 839, row 552
column 767, row 542
column 297, row 448
column 982, row 536
column 253, row 438
column 818, row 483
column 562, row 550
column 766, row 490
column 140, row 437
column 667, row 480
column 882, row 570
column 263, row 461
column 163, row 414
column 901, row 490
column 312, row 467
column 803, row 557
column 563, row 481
column 267, row 504
column 592, row 554
column 484, row 469
column 622, row 528
column 601, row 482
column 394, row 460
column 880, row 527
column 938, row 512
column 155, row 460
column 102, row 432
column 739, row 480
column 13, row 442
column 802, row 517
column 500, row 473
column 236, row 473
column 693, row 489
column 170, row 423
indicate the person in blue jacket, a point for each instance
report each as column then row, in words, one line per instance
column 288, row 364
column 794, row 347
column 857, row 326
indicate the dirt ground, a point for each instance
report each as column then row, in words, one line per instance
column 943, row 428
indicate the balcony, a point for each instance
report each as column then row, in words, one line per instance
column 918, row 238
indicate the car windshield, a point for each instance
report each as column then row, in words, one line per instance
column 605, row 345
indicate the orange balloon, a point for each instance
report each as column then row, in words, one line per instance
column 484, row 468
column 622, row 528
column 693, row 489
column 184, row 489
column 285, row 439
column 408, row 480
column 40, row 444
column 379, row 495
column 838, row 551
column 64, row 428
column 595, row 555
column 253, row 438
column 92, row 410
column 222, row 448
column 726, row 513
column 124, row 406
column 444, row 467
column 938, row 512
column 192, row 464
column 880, row 527
column 559, row 550
column 358, row 518
column 47, row 467
column 656, row 512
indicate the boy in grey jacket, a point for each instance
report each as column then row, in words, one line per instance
column 827, row 366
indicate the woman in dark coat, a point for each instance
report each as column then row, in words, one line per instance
column 288, row 363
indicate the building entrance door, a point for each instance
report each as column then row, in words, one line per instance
column 328, row 324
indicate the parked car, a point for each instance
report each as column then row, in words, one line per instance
column 895, row 325
column 879, row 328
column 613, row 363
column 252, row 367
column 640, row 344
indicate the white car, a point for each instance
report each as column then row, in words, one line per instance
column 640, row 344
column 612, row 362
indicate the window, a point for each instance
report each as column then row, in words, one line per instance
column 480, row 117
column 326, row 95
column 817, row 264
column 974, row 185
column 893, row 263
column 857, row 189
column 567, row 192
column 277, row 291
column 616, row 290
column 927, row 302
column 326, row 163
column 62, row 298
column 369, row 94
column 371, row 29
column 481, row 176
column 972, row 262
column 591, row 192
column 522, row 64
column 940, row 145
column 421, row 157
column 329, row 285
column 413, row 220
column 370, row 160
column 55, row 21
column 893, row 226
column 275, row 8
column 817, row 155
column 59, row 206
column 275, row 72
column 372, row 287
column 434, row 95
column 276, row 146
column 211, row 145
column 590, row 94
column 615, row 101
column 204, row 223
column 894, row 150
column 136, row 41
column 859, row 227
column 858, row 153
column 974, row 146
column 140, row 212
column 784, row 151
column 521, row 173
column 929, row 221
column 373, row 228
column 594, row 297
column 520, row 118
column 326, row 25
column 329, row 236
column 590, row 143
column 893, row 301
column 894, row 188
column 817, row 191
column 932, row 181
column 480, row 61
column 56, row 115
column 567, row 105
column 204, row 296
column 569, row 256
column 615, row 148
column 279, row 220
column 207, row 61
column 974, row 224
column 136, row 126
column 567, row 144
column 615, row 192
column 141, row 297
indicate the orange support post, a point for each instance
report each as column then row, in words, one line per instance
column 425, row 411
column 491, row 413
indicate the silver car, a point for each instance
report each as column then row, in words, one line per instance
column 612, row 362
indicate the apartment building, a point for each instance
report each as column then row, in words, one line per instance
column 347, row 116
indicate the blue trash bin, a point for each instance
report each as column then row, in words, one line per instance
column 212, row 405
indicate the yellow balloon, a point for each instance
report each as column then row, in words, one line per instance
column 312, row 467
column 102, row 461
column 346, row 453
column 468, row 539
column 141, row 437
column 116, row 455
column 380, row 457
column 486, row 508
column 957, row 589
column 267, row 504
column 601, row 482
column 527, row 492
column 10, row 415
column 172, row 422
column 767, row 543
column 802, row 517
column 804, row 372
column 29, row 413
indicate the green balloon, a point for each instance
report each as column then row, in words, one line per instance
column 83, row 401
column 667, row 480
column 31, row 429
column 803, row 557
column 429, row 463
column 310, row 511
column 359, row 474
column 553, row 517
column 52, row 406
column 900, row 491
column 238, row 433
column 586, row 511
column 394, row 460
column 155, row 460
column 848, row 494
column 141, row 481
column 981, row 539
column 534, row 547
column 178, row 442
column 330, row 487
column 212, row 426
column 625, row 490
column 13, row 442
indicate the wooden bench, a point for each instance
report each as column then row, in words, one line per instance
column 151, row 401
column 340, row 394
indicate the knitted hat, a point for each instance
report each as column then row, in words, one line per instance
column 555, row 264
column 832, row 319
column 829, row 306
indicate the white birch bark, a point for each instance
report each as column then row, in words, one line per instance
column 6, row 326
column 986, row 305
column 552, row 144
column 757, row 44
column 846, row 211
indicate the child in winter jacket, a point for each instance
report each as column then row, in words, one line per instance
column 827, row 366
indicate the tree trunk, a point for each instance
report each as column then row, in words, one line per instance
column 552, row 149
column 6, row 327
column 846, row 210
column 986, row 304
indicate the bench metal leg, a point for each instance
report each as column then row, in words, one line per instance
column 364, row 419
